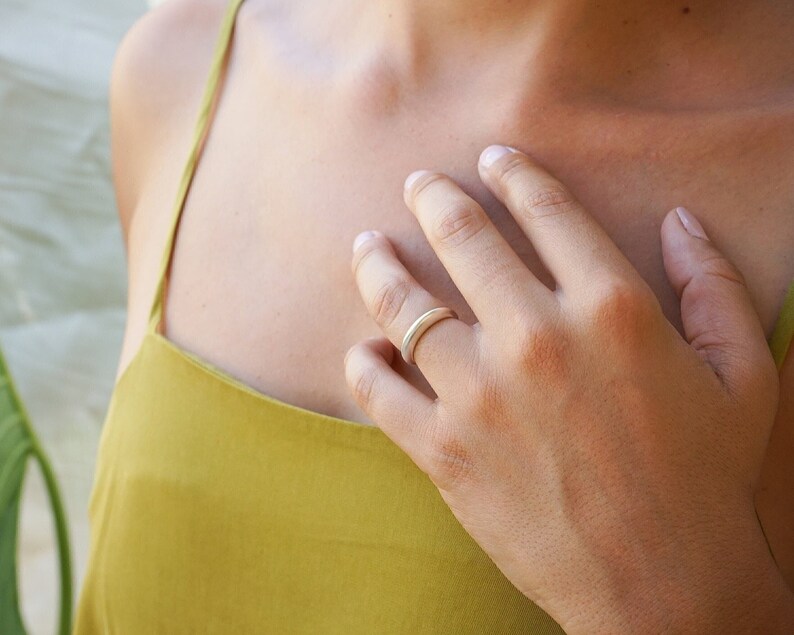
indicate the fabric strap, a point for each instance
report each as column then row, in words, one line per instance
column 202, row 125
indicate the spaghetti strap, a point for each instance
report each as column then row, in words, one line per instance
column 784, row 329
column 202, row 124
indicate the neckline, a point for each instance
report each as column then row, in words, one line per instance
column 230, row 381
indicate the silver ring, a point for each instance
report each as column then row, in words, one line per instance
column 418, row 328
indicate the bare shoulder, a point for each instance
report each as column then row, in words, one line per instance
column 157, row 80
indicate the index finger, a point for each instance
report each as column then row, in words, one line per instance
column 569, row 241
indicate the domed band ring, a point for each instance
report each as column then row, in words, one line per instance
column 419, row 327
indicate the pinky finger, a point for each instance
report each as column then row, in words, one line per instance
column 404, row 413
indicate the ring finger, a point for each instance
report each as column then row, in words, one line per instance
column 395, row 300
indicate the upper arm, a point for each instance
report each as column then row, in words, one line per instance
column 155, row 87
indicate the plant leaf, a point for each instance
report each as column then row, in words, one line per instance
column 18, row 445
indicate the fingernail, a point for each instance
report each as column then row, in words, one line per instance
column 364, row 237
column 413, row 177
column 492, row 153
column 690, row 223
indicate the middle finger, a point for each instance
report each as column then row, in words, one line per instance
column 489, row 274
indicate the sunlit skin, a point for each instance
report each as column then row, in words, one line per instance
column 605, row 463
column 636, row 107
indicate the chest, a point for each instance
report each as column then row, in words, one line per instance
column 261, row 268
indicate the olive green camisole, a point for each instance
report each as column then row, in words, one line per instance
column 219, row 509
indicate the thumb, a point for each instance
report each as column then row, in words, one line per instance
column 719, row 319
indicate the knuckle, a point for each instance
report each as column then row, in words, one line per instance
column 458, row 222
column 389, row 300
column 623, row 308
column 546, row 201
column 717, row 266
column 425, row 183
column 450, row 461
column 512, row 172
column 363, row 386
column 498, row 273
column 486, row 397
column 542, row 348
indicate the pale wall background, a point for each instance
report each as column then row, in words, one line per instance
column 62, row 272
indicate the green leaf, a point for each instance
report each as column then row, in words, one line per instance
column 18, row 446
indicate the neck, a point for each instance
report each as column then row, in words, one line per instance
column 577, row 45
column 640, row 50
column 441, row 23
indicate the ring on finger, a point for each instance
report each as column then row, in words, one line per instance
column 419, row 327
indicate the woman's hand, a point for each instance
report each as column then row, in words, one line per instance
column 605, row 463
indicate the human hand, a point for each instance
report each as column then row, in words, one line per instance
column 604, row 462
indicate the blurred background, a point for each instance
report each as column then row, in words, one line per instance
column 62, row 270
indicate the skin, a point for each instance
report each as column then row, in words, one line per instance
column 588, row 423
column 636, row 107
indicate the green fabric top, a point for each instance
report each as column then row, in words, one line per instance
column 784, row 329
column 217, row 508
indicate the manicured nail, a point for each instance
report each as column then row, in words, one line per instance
column 413, row 177
column 364, row 237
column 690, row 223
column 492, row 153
